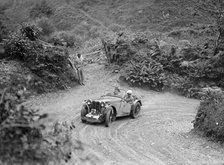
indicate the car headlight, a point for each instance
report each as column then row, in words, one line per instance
column 89, row 102
column 102, row 104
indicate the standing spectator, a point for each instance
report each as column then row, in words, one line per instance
column 79, row 65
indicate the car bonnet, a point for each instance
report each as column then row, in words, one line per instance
column 109, row 99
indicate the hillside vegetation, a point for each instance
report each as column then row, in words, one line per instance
column 158, row 44
column 83, row 17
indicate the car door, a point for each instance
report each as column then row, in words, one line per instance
column 125, row 107
column 117, row 104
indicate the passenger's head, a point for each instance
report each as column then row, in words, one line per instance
column 116, row 91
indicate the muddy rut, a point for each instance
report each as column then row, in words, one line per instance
column 160, row 135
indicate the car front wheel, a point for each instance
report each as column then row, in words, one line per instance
column 109, row 117
column 135, row 111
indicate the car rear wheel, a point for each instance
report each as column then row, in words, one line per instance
column 84, row 111
column 109, row 117
column 135, row 111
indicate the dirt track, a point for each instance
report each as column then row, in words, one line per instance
column 161, row 135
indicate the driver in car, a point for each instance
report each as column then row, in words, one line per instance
column 128, row 97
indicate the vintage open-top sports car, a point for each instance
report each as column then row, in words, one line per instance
column 107, row 108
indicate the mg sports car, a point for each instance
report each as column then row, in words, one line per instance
column 107, row 108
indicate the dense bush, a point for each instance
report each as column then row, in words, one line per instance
column 41, row 9
column 49, row 63
column 145, row 71
column 210, row 115
column 146, row 63
column 20, row 132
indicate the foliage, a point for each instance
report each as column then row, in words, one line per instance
column 65, row 39
column 3, row 19
column 25, row 140
column 49, row 63
column 215, row 8
column 28, row 31
column 41, row 9
column 144, row 62
column 20, row 130
column 210, row 115
column 183, row 85
column 70, row 39
column 145, row 71
column 47, row 27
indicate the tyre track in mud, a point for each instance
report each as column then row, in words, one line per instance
column 160, row 135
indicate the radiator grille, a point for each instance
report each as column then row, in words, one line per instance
column 96, row 105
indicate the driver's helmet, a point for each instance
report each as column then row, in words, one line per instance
column 129, row 92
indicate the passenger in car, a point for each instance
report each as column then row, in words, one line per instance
column 115, row 93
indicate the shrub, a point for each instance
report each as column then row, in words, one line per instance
column 145, row 71
column 191, row 53
column 28, row 31
column 23, row 139
column 210, row 116
column 41, row 9
column 183, row 85
column 70, row 39
column 20, row 131
column 49, row 63
column 144, row 62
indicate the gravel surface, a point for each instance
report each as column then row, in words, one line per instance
column 161, row 135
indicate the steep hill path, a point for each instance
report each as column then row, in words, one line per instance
column 161, row 135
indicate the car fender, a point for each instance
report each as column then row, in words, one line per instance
column 107, row 108
column 135, row 102
column 85, row 104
